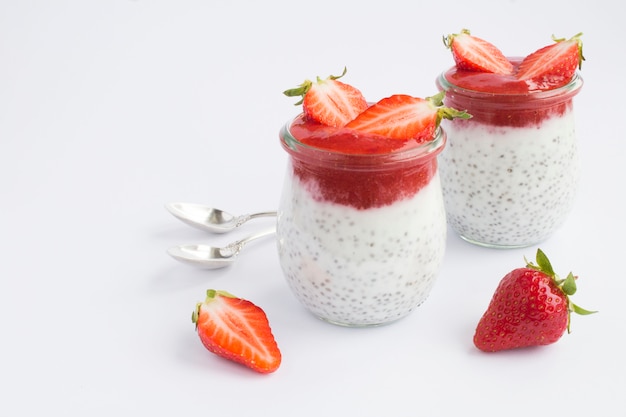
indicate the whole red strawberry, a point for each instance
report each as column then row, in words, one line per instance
column 554, row 65
column 471, row 53
column 238, row 330
column 329, row 101
column 530, row 307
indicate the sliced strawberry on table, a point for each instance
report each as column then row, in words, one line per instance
column 530, row 307
column 238, row 330
column 475, row 54
column 329, row 101
column 405, row 117
column 553, row 65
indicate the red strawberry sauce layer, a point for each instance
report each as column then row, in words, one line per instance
column 362, row 171
column 503, row 100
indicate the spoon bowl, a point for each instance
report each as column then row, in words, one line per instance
column 211, row 257
column 211, row 219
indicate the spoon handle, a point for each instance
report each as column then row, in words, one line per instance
column 237, row 246
column 244, row 218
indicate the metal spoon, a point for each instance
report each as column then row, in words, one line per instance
column 211, row 219
column 210, row 257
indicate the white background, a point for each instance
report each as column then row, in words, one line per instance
column 110, row 109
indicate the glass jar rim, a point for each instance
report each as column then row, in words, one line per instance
column 569, row 89
column 420, row 152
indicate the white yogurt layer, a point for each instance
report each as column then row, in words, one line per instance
column 509, row 186
column 360, row 267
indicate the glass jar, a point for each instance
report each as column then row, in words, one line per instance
column 510, row 173
column 361, row 237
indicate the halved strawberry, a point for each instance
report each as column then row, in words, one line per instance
column 238, row 330
column 405, row 117
column 553, row 65
column 474, row 54
column 329, row 102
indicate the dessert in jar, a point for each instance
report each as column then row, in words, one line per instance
column 361, row 225
column 510, row 174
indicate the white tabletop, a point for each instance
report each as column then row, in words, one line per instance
column 111, row 109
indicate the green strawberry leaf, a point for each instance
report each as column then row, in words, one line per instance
column 543, row 263
column 437, row 99
column 579, row 310
column 568, row 285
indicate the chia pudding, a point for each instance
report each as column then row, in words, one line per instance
column 510, row 174
column 361, row 224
